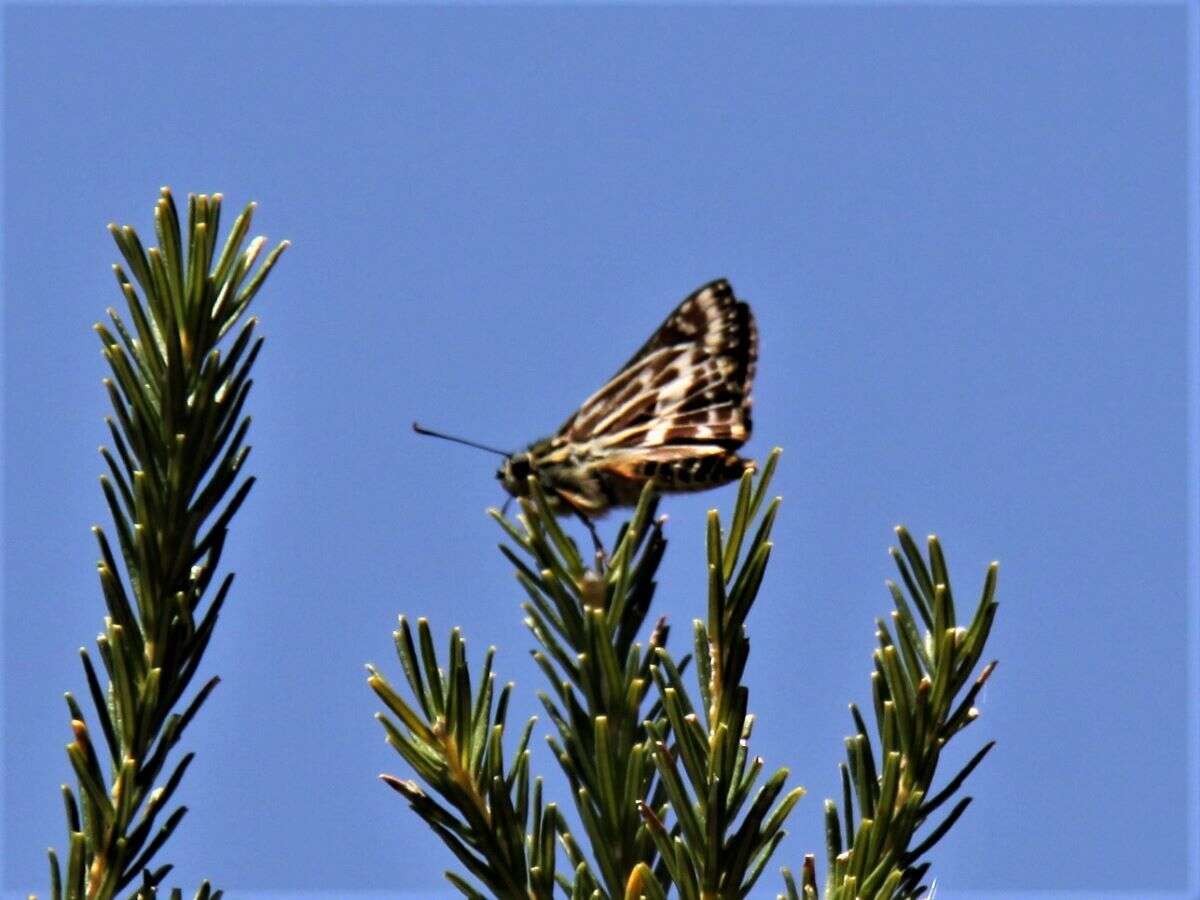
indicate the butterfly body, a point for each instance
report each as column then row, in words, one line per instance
column 675, row 414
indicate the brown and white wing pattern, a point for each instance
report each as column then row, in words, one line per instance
column 688, row 386
column 676, row 412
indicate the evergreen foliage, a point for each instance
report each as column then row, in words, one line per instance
column 174, row 483
column 661, row 774
column 655, row 750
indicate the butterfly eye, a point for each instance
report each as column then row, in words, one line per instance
column 520, row 468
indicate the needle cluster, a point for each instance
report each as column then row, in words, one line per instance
column 666, row 790
column 180, row 377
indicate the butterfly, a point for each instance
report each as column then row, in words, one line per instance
column 676, row 413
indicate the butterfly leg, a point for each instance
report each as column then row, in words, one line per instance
column 597, row 544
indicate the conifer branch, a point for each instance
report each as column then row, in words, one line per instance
column 585, row 621
column 727, row 831
column 918, row 676
column 178, row 434
column 453, row 738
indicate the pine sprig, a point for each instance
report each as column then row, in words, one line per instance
column 585, row 622
column 178, row 434
column 452, row 737
column 726, row 830
column 874, row 848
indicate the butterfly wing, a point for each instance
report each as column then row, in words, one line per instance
column 685, row 393
column 676, row 412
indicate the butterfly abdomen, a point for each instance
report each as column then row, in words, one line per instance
column 695, row 473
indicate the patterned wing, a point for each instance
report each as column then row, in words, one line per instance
column 685, row 392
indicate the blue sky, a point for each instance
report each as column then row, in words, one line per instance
column 964, row 233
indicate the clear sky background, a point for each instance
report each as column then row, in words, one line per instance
column 964, row 234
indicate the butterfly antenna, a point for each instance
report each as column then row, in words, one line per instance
column 420, row 429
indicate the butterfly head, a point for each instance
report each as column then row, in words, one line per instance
column 514, row 473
